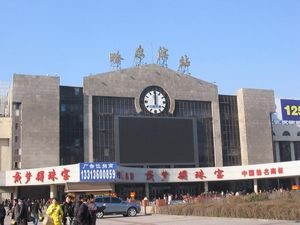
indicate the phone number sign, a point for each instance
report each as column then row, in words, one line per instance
column 98, row 171
column 290, row 109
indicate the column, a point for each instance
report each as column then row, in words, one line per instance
column 205, row 186
column 293, row 157
column 53, row 191
column 15, row 192
column 147, row 191
column 255, row 186
column 277, row 151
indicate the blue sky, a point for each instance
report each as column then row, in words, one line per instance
column 235, row 43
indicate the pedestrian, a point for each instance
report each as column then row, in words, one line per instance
column 92, row 209
column 76, row 208
column 68, row 209
column 55, row 212
column 170, row 198
column 10, row 205
column 35, row 211
column 2, row 213
column 22, row 212
column 83, row 215
column 14, row 211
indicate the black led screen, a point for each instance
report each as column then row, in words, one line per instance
column 156, row 140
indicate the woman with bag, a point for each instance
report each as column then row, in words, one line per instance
column 55, row 212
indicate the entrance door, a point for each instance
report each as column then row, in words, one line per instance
column 159, row 191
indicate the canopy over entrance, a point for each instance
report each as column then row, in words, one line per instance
column 88, row 187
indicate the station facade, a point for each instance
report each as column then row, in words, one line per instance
column 146, row 117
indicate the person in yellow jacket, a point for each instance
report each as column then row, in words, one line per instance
column 55, row 212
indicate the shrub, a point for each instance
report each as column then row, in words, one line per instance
column 281, row 206
column 254, row 197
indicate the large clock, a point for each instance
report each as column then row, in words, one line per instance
column 154, row 100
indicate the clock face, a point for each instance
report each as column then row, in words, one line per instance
column 154, row 101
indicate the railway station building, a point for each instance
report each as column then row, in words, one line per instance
column 145, row 118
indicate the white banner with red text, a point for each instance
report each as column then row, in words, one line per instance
column 72, row 174
column 43, row 176
column 259, row 171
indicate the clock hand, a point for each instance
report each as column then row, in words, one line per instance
column 155, row 100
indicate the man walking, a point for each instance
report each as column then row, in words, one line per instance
column 68, row 209
column 83, row 215
column 35, row 210
column 92, row 209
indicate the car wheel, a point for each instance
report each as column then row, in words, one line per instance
column 131, row 212
column 100, row 214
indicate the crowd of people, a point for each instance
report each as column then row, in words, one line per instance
column 70, row 212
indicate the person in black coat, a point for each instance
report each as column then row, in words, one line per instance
column 68, row 209
column 2, row 213
column 35, row 211
column 92, row 209
column 83, row 215
column 22, row 214
column 76, row 208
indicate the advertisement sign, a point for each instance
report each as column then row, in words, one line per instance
column 110, row 172
column 290, row 109
column 42, row 176
column 175, row 175
column 98, row 171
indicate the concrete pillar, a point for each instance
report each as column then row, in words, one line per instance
column 255, row 186
column 147, row 191
column 16, row 192
column 293, row 156
column 53, row 191
column 205, row 186
column 277, row 151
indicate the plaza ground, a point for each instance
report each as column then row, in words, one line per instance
column 180, row 220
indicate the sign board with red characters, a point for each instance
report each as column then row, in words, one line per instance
column 43, row 176
column 161, row 175
column 119, row 174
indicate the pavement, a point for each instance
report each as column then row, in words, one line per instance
column 156, row 219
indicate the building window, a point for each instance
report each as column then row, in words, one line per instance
column 17, row 107
column 71, row 125
column 63, row 107
column 16, row 126
column 106, row 152
column 230, row 130
column 297, row 150
column 298, row 134
column 285, row 151
column 76, row 91
column 17, row 151
column 286, row 133
column 17, row 165
column 16, row 139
